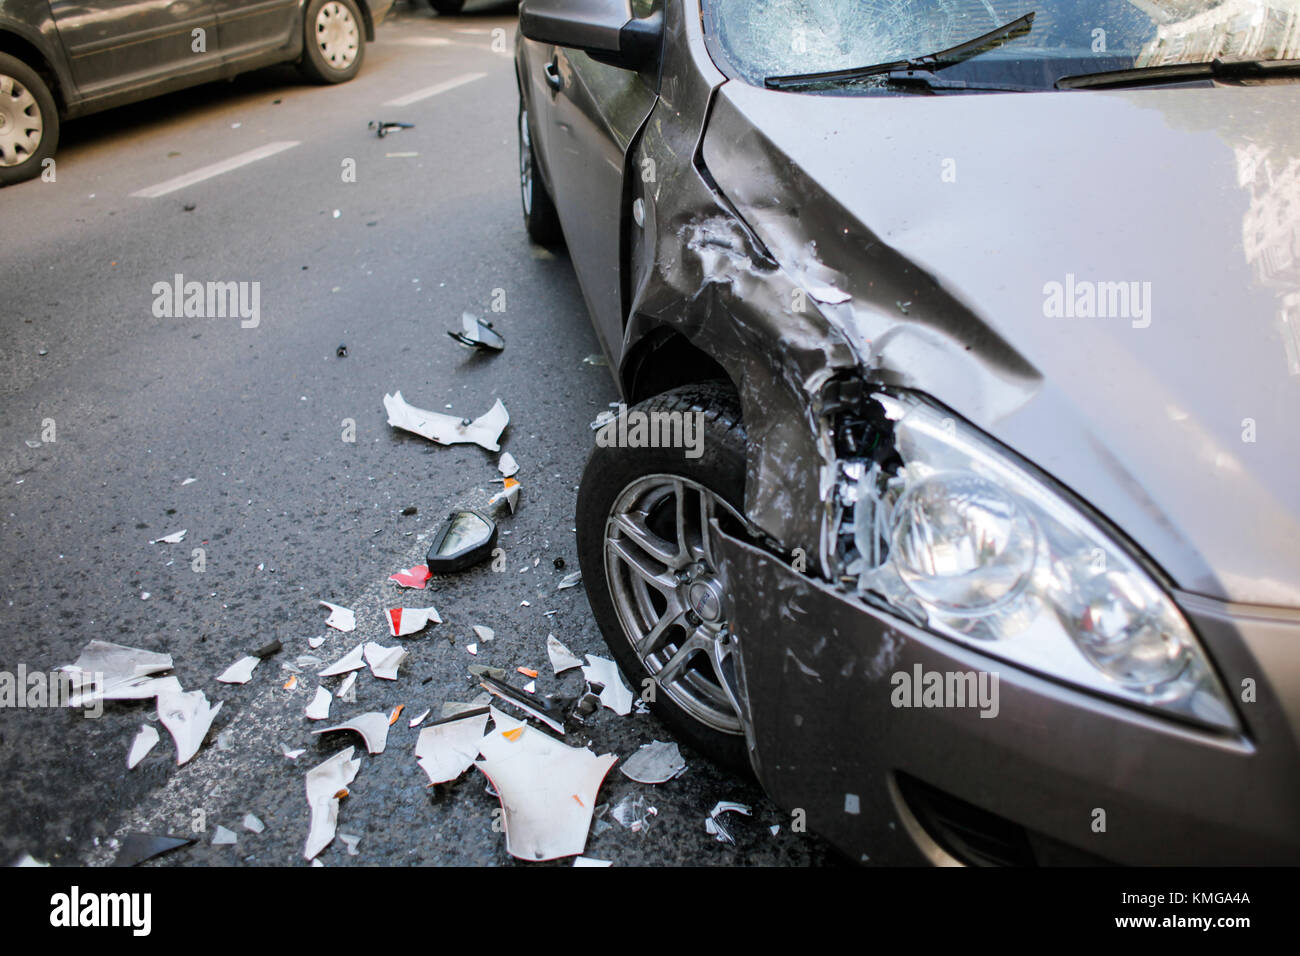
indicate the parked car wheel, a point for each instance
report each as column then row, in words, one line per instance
column 446, row 7
column 647, row 561
column 29, row 121
column 335, row 43
column 540, row 217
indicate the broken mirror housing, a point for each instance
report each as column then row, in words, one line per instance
column 956, row 534
column 465, row 539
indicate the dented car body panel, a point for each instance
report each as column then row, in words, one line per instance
column 814, row 249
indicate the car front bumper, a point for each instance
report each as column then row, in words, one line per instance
column 1053, row 775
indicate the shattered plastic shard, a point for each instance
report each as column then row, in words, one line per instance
column 614, row 693
column 509, row 494
column 485, row 431
column 224, row 837
column 315, row 642
column 538, row 709
column 291, row 754
column 507, row 465
column 188, row 717
column 417, row 721
column 484, row 633
column 713, row 823
column 240, row 672
column 345, row 691
column 138, row 847
column 341, row 618
column 570, row 581
column 384, row 661
column 323, row 784
column 656, row 762
column 408, row 620
column 175, row 537
column 350, row 841
column 253, row 824
column 416, row 577
column 144, row 742
column 123, row 673
column 547, row 790
column 351, row 661
column 633, row 813
column 562, row 659
column 476, row 334
column 446, row 749
column 372, row 726
column 590, row 861
column 319, row 708
column 472, row 648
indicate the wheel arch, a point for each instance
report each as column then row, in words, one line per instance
column 367, row 18
column 17, row 42
column 665, row 359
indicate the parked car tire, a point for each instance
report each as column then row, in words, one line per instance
column 540, row 217
column 335, row 41
column 646, row 487
column 447, row 7
column 29, row 121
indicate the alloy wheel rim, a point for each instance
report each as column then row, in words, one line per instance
column 21, row 123
column 337, row 35
column 669, row 596
column 525, row 162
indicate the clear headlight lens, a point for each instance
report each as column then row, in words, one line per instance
column 982, row 551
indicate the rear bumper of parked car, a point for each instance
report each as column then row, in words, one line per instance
column 1056, row 776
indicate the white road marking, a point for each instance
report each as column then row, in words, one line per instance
column 418, row 41
column 215, row 169
column 434, row 90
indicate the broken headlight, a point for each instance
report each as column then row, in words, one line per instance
column 949, row 530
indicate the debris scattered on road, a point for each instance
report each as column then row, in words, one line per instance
column 315, row 642
column 384, row 661
column 713, row 823
column 383, row 127
column 372, row 726
column 656, row 762
column 464, row 539
column 509, row 494
column 416, row 577
column 633, row 813
column 547, row 788
column 526, row 671
column 477, row 334
column 291, row 683
column 350, row 842
column 562, row 659
column 590, row 861
column 267, row 650
column 144, row 742
column 175, row 537
column 115, row 672
column 536, row 708
column 507, row 465
column 319, row 708
column 483, row 633
column 417, row 721
column 569, row 581
column 408, row 620
column 292, row 754
column 603, row 419
column 351, row 661
column 485, row 431
column 224, row 837
column 341, row 618
column 324, row 783
column 345, row 691
column 614, row 694
column 448, row 747
column 252, row 824
column 188, row 717
column 240, row 672
column 595, row 359
column 341, row 351
column 138, row 847
column 472, row 649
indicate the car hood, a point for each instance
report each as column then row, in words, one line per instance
column 945, row 236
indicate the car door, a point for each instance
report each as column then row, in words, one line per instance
column 119, row 44
column 252, row 26
column 595, row 112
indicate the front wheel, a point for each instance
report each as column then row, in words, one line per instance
column 646, row 547
column 335, row 42
column 29, row 121
column 540, row 217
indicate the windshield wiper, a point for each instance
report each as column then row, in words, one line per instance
column 1178, row 72
column 906, row 70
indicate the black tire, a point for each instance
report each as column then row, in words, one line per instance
column 540, row 217
column 326, row 48
column 447, row 7
column 609, row 472
column 26, row 103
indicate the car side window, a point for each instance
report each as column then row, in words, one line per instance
column 643, row 8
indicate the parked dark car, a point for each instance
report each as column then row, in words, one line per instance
column 990, row 310
column 66, row 58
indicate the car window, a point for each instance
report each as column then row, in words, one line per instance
column 781, row 37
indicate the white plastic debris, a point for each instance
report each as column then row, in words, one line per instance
column 224, row 837
column 315, row 642
column 547, row 789
column 106, row 671
column 324, row 783
column 351, row 661
column 507, row 465
column 176, row 537
column 713, row 824
column 562, row 659
column 252, row 824
column 188, row 717
column 144, row 742
column 509, row 494
column 484, row 633
column 240, row 672
column 319, row 708
column 372, row 726
column 656, row 762
column 472, row 648
column 290, row 753
column 590, row 861
column 350, row 841
column 485, row 431
column 384, row 661
column 633, row 813
column 417, row 721
column 189, row 481
column 346, row 691
column 28, row 860
column 569, row 581
column 341, row 618
column 446, row 750
column 408, row 620
column 614, row 693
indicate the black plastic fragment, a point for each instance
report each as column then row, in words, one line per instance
column 138, row 847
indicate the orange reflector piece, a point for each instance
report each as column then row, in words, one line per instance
column 397, row 712
column 527, row 672
column 513, row 734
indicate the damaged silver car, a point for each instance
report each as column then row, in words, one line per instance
column 988, row 315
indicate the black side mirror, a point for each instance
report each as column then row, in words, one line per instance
column 603, row 29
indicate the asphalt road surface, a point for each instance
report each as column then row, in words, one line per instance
column 286, row 511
